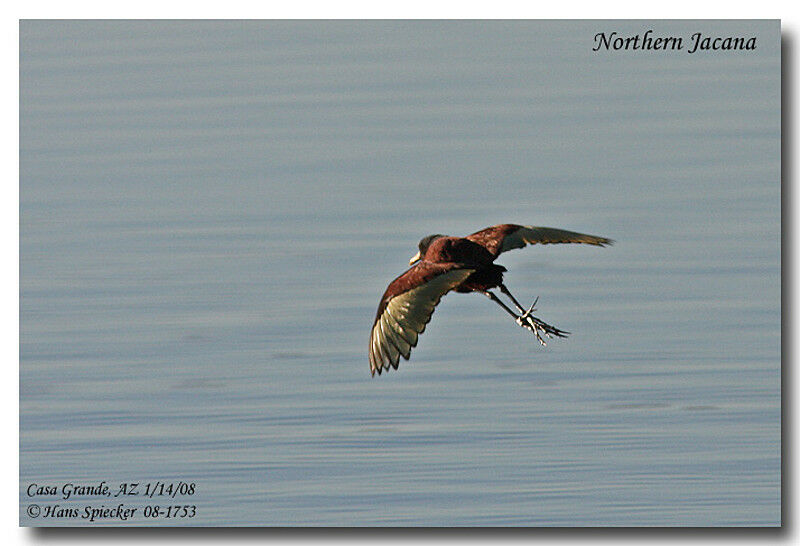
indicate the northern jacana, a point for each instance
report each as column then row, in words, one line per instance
column 463, row 264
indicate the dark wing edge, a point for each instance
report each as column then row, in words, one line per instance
column 403, row 318
column 504, row 237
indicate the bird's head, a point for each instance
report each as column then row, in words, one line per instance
column 424, row 243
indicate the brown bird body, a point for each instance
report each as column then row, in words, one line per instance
column 463, row 264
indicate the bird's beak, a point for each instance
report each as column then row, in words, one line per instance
column 415, row 259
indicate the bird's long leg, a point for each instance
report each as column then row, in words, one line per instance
column 526, row 320
column 504, row 289
column 494, row 298
column 523, row 320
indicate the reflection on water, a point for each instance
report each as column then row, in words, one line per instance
column 211, row 210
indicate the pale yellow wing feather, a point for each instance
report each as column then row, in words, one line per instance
column 397, row 329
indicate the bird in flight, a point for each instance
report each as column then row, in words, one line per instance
column 463, row 264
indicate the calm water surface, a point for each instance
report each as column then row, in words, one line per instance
column 211, row 210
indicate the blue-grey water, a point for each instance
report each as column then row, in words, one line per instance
column 210, row 211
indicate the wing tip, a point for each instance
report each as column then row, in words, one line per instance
column 604, row 242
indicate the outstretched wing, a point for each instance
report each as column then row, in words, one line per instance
column 498, row 239
column 405, row 309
